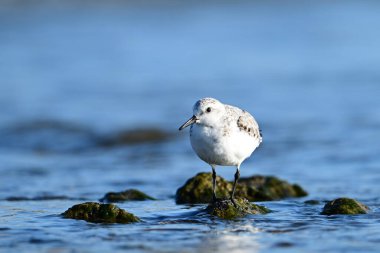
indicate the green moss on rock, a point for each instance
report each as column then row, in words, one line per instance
column 127, row 195
column 344, row 206
column 225, row 209
column 99, row 213
column 198, row 189
column 268, row 188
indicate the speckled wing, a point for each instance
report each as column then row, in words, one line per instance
column 245, row 122
column 249, row 125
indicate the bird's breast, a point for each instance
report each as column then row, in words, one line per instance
column 213, row 146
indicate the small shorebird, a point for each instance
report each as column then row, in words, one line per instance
column 222, row 134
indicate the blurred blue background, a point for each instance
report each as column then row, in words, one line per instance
column 71, row 71
column 118, row 63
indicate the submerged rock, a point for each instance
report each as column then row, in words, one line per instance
column 38, row 198
column 198, row 189
column 344, row 206
column 129, row 137
column 225, row 209
column 312, row 202
column 127, row 195
column 99, row 213
column 48, row 136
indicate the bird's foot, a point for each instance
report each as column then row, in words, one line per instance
column 233, row 202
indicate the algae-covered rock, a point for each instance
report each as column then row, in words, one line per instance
column 99, row 213
column 267, row 188
column 225, row 209
column 198, row 189
column 344, row 206
column 127, row 195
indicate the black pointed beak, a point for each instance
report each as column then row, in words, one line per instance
column 191, row 121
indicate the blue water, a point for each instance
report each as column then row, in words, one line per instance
column 307, row 71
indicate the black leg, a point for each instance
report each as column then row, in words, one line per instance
column 237, row 175
column 213, row 184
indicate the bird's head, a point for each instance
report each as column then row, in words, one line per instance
column 206, row 111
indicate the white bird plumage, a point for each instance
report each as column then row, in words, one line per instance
column 222, row 134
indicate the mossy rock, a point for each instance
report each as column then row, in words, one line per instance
column 225, row 209
column 198, row 189
column 269, row 188
column 99, row 213
column 344, row 206
column 127, row 195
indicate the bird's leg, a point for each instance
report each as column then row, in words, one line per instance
column 213, row 184
column 237, row 175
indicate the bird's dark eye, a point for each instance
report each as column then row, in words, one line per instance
column 208, row 109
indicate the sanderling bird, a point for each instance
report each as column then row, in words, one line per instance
column 223, row 135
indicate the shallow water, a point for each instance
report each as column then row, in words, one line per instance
column 71, row 74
